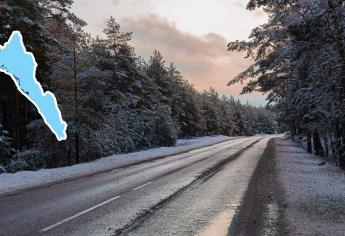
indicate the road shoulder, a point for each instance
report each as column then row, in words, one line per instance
column 292, row 193
column 315, row 191
column 14, row 183
column 261, row 208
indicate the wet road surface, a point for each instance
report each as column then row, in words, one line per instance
column 194, row 193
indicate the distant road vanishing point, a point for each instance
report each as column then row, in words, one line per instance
column 21, row 66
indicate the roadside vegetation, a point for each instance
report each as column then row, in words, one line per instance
column 299, row 60
column 113, row 100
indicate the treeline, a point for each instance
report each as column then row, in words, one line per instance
column 112, row 100
column 300, row 61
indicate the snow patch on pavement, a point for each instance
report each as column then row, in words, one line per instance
column 315, row 195
column 271, row 219
column 28, row 179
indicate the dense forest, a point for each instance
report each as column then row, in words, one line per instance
column 112, row 100
column 299, row 59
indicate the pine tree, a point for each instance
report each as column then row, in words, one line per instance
column 5, row 148
column 300, row 61
column 113, row 101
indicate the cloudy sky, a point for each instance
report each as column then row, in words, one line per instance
column 191, row 33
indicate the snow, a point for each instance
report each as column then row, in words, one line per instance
column 314, row 194
column 29, row 179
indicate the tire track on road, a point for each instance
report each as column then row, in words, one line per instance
column 203, row 177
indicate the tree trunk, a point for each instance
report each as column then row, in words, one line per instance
column 325, row 138
column 292, row 132
column 317, row 144
column 337, row 138
column 77, row 157
column 17, row 120
column 332, row 144
column 69, row 155
column 309, row 146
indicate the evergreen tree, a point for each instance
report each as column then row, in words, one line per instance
column 300, row 61
column 113, row 101
column 5, row 148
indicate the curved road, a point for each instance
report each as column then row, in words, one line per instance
column 194, row 193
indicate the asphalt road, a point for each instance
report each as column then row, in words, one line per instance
column 194, row 193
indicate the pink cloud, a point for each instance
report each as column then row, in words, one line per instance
column 203, row 60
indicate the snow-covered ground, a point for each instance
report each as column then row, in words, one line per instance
column 28, row 179
column 314, row 191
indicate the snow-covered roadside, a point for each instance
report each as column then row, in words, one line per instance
column 314, row 191
column 28, row 179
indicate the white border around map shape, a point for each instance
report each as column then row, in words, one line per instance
column 47, row 94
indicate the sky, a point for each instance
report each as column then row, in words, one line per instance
column 191, row 33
